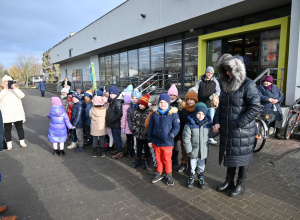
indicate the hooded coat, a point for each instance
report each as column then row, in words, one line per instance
column 59, row 120
column 239, row 105
column 97, row 116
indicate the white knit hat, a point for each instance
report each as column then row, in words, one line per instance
column 6, row 78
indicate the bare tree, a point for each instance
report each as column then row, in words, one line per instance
column 29, row 66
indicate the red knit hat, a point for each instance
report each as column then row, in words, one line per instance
column 144, row 100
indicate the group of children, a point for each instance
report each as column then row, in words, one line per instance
column 154, row 132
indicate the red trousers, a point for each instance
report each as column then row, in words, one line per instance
column 163, row 157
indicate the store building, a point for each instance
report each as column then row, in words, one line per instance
column 180, row 38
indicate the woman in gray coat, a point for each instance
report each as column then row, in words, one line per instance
column 235, row 119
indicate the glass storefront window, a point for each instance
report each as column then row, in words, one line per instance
column 123, row 68
column 115, row 67
column 102, row 69
column 157, row 56
column 251, row 54
column 190, row 64
column 144, row 61
column 108, row 78
column 214, row 48
column 133, row 63
column 77, row 75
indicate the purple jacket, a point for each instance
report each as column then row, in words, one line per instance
column 59, row 121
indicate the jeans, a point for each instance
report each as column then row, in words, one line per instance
column 116, row 132
column 74, row 136
column 19, row 127
column 42, row 93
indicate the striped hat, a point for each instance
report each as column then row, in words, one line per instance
column 144, row 100
column 89, row 93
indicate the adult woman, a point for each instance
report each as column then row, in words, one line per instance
column 235, row 119
column 270, row 98
column 12, row 111
column 66, row 83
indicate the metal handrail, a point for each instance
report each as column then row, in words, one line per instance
column 147, row 80
column 267, row 71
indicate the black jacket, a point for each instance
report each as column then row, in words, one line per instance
column 206, row 89
column 183, row 116
column 114, row 114
column 130, row 114
column 138, row 123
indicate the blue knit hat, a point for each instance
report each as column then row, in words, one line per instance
column 200, row 107
column 100, row 91
column 114, row 90
column 164, row 97
column 129, row 88
column 77, row 95
column 136, row 93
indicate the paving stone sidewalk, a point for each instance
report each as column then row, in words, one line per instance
column 37, row 185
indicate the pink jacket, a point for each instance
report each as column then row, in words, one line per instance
column 124, row 122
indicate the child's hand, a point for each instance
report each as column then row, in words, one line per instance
column 216, row 128
column 123, row 131
column 150, row 145
column 74, row 127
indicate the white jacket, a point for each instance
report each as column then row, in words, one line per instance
column 11, row 105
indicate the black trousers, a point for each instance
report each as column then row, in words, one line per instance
column 142, row 144
column 8, row 128
column 130, row 142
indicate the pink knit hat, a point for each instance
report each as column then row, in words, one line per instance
column 99, row 100
column 56, row 101
column 173, row 90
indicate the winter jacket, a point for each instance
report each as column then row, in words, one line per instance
column 114, row 114
column 64, row 83
column 64, row 101
column 124, row 120
column 59, row 120
column 138, row 123
column 239, row 105
column 265, row 94
column 183, row 116
column 70, row 111
column 175, row 103
column 88, row 107
column 78, row 114
column 195, row 138
column 162, row 129
column 98, row 125
column 130, row 114
column 11, row 105
column 42, row 86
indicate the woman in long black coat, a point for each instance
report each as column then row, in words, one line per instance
column 235, row 120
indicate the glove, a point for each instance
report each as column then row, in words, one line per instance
column 123, row 130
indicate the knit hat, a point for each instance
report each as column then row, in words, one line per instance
column 191, row 95
column 64, row 90
column 164, row 97
column 89, row 93
column 173, row 90
column 144, row 100
column 209, row 69
column 6, row 78
column 99, row 100
column 136, row 93
column 269, row 79
column 100, row 91
column 56, row 101
column 200, row 107
column 114, row 90
column 77, row 95
column 127, row 97
column 128, row 89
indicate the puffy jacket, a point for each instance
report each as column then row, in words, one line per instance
column 138, row 123
column 239, row 105
column 124, row 120
column 114, row 114
column 78, row 114
column 97, row 116
column 59, row 120
column 265, row 94
column 130, row 114
column 162, row 129
column 88, row 107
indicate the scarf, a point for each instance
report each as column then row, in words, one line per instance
column 63, row 96
column 189, row 108
column 135, row 105
column 198, row 122
column 269, row 87
column 110, row 100
column 163, row 112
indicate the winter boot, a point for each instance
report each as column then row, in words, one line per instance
column 22, row 143
column 229, row 182
column 145, row 163
column 62, row 153
column 94, row 152
column 9, row 145
column 191, row 180
column 72, row 145
column 240, row 186
column 201, row 183
column 88, row 142
column 175, row 157
column 136, row 162
column 102, row 151
column 55, row 152
column 79, row 149
column 58, row 152
column 277, row 134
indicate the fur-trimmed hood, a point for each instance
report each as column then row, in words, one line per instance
column 173, row 110
column 231, row 85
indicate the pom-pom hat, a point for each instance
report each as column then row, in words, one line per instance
column 144, row 100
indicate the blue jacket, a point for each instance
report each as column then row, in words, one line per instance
column 163, row 128
column 87, row 111
column 78, row 114
column 265, row 94
column 42, row 86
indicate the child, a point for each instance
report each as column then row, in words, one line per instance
column 195, row 139
column 185, row 109
column 88, row 95
column 124, row 123
column 57, row 130
column 64, row 98
column 77, row 119
column 136, row 95
column 139, row 131
column 113, row 119
column 98, row 127
column 163, row 126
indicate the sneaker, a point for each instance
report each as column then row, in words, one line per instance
column 191, row 180
column 145, row 164
column 79, row 149
column 118, row 155
column 157, row 177
column 181, row 168
column 212, row 141
column 201, row 183
column 103, row 152
column 170, row 181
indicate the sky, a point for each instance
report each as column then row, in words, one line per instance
column 35, row 26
